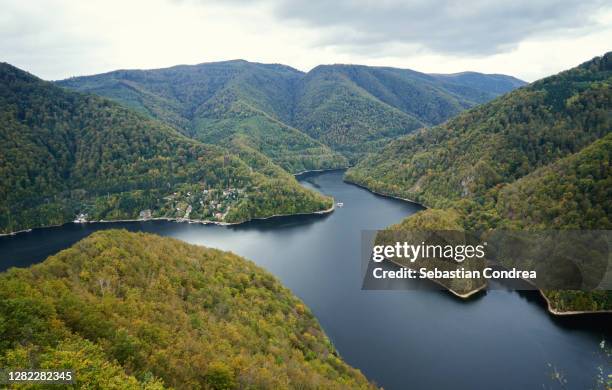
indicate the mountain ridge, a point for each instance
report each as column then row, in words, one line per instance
column 487, row 136
column 66, row 153
column 214, row 95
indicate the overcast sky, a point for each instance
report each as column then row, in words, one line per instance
column 529, row 39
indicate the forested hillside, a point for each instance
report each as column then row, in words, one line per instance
column 226, row 103
column 497, row 142
column 133, row 310
column 358, row 109
column 63, row 153
column 295, row 119
column 538, row 157
column 573, row 193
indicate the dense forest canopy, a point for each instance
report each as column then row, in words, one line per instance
column 63, row 153
column 301, row 121
column 133, row 310
column 358, row 109
column 537, row 157
column 497, row 142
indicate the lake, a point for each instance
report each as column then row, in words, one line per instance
column 417, row 339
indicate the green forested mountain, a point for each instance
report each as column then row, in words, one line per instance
column 497, row 142
column 232, row 103
column 133, row 310
column 538, row 157
column 357, row 109
column 333, row 108
column 291, row 117
column 573, row 193
column 64, row 153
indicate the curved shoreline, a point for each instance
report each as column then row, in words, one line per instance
column 178, row 220
column 200, row 221
column 319, row 171
column 556, row 312
column 207, row 222
column 549, row 307
column 465, row 295
column 383, row 194
column 444, row 288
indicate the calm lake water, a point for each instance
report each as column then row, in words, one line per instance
column 399, row 339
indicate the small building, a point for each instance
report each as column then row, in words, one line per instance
column 80, row 218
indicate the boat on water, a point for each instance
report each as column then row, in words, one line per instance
column 339, row 204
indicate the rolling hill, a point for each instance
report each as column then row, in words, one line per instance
column 299, row 120
column 356, row 109
column 230, row 103
column 63, row 153
column 133, row 311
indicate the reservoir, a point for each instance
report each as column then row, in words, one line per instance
column 418, row 339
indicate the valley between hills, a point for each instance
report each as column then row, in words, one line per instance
column 219, row 142
column 214, row 142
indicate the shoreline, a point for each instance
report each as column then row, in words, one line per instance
column 296, row 175
column 549, row 307
column 177, row 220
column 181, row 220
column 467, row 294
column 383, row 194
column 556, row 312
column 444, row 288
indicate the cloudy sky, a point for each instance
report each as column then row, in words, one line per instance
column 529, row 39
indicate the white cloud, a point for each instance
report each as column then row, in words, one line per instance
column 59, row 38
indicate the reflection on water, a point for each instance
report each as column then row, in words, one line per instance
column 399, row 339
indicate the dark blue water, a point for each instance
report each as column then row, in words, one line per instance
column 399, row 339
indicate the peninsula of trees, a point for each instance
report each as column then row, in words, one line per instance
column 537, row 157
column 138, row 311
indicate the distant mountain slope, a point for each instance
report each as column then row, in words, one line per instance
column 538, row 157
column 332, row 108
column 220, row 103
column 63, row 153
column 292, row 117
column 358, row 109
column 497, row 142
column 191, row 86
column 493, row 84
column 138, row 311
